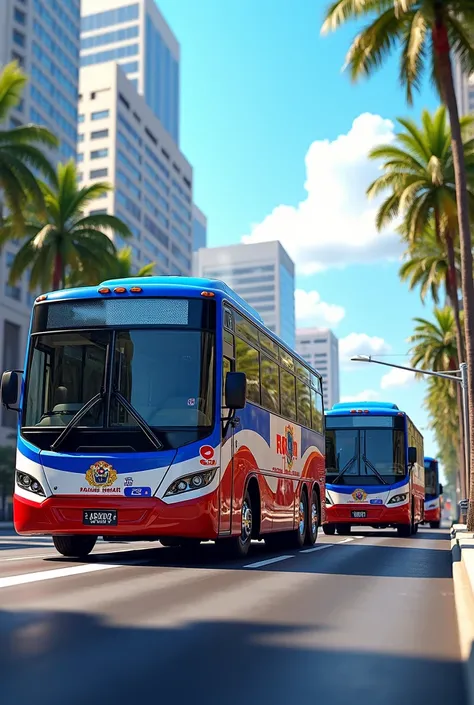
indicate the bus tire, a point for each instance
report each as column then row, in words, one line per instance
column 74, row 546
column 435, row 524
column 297, row 537
column 343, row 529
column 329, row 529
column 404, row 530
column 238, row 546
column 313, row 521
column 170, row 542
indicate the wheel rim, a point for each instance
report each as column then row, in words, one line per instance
column 302, row 522
column 314, row 518
column 246, row 522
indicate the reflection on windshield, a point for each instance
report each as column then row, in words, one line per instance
column 377, row 452
column 166, row 375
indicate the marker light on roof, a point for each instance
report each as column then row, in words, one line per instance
column 104, row 290
column 43, row 297
column 207, row 293
column 120, row 290
column 136, row 289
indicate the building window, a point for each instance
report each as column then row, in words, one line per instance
column 100, row 115
column 118, row 35
column 19, row 16
column 80, row 118
column 11, row 360
column 13, row 292
column 110, row 17
column 80, row 137
column 18, row 57
column 110, row 55
column 99, row 134
column 99, row 153
column 79, row 157
column 98, row 211
column 18, row 38
column 98, row 173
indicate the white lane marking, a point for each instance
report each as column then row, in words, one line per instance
column 359, row 537
column 267, row 562
column 346, row 540
column 52, row 574
column 318, row 548
column 96, row 553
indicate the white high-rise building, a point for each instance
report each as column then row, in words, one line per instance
column 320, row 348
column 136, row 35
column 199, row 229
column 123, row 142
column 263, row 274
column 464, row 86
column 43, row 36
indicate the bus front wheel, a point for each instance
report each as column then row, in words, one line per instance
column 434, row 524
column 74, row 546
column 344, row 529
column 329, row 529
column 238, row 546
column 404, row 530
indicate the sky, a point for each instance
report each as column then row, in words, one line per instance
column 278, row 136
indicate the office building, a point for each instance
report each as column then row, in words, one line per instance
column 199, row 229
column 320, row 348
column 43, row 36
column 136, row 35
column 123, row 142
column 464, row 86
column 262, row 274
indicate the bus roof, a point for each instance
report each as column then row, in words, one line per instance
column 430, row 459
column 177, row 286
column 377, row 408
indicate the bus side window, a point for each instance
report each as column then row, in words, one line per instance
column 226, row 367
column 316, row 411
column 247, row 360
column 270, row 385
column 288, row 395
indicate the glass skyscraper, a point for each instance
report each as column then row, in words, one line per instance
column 138, row 38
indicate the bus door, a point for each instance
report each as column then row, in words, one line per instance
column 226, row 484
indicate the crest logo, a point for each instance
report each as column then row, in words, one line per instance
column 101, row 474
column 359, row 496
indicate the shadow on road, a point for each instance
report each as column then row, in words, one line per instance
column 56, row 658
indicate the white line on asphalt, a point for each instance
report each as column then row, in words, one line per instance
column 96, row 553
column 267, row 562
column 346, row 540
column 52, row 574
column 318, row 548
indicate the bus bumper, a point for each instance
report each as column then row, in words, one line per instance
column 433, row 514
column 374, row 515
column 150, row 517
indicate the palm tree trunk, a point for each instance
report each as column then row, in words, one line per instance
column 445, row 72
column 57, row 272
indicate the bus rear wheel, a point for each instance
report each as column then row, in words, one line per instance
column 297, row 537
column 313, row 521
column 343, row 529
column 435, row 524
column 329, row 529
column 74, row 546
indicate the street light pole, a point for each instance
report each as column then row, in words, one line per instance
column 459, row 376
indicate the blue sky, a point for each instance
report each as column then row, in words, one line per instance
column 266, row 111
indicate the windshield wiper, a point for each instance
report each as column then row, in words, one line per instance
column 76, row 418
column 346, row 467
column 374, row 469
column 146, row 428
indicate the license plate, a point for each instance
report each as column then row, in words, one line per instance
column 359, row 515
column 100, row 517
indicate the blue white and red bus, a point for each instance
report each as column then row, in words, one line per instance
column 163, row 408
column 433, row 493
column 374, row 468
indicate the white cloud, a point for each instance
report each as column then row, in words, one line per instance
column 366, row 395
column 335, row 225
column 396, row 378
column 312, row 311
column 361, row 344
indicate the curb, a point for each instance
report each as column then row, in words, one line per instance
column 464, row 602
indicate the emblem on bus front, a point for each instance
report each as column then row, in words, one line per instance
column 359, row 495
column 101, row 474
column 289, row 446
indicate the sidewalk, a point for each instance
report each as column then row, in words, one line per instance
column 462, row 550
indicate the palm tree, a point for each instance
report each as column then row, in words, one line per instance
column 434, row 348
column 426, row 265
column 120, row 268
column 69, row 239
column 19, row 155
column 441, row 403
column 429, row 31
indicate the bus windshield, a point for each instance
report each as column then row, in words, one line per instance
column 370, row 456
column 165, row 375
column 431, row 479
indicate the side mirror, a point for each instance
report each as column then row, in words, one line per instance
column 412, row 455
column 440, row 488
column 235, row 390
column 9, row 389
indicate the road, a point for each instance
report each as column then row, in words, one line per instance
column 366, row 619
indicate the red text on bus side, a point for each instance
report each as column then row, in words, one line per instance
column 282, row 446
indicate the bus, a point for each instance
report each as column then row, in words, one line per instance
column 433, row 493
column 374, row 468
column 162, row 408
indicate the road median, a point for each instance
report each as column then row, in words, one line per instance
column 462, row 551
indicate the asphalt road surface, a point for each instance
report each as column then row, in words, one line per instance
column 367, row 619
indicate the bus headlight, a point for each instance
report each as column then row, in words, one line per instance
column 397, row 498
column 196, row 481
column 26, row 482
